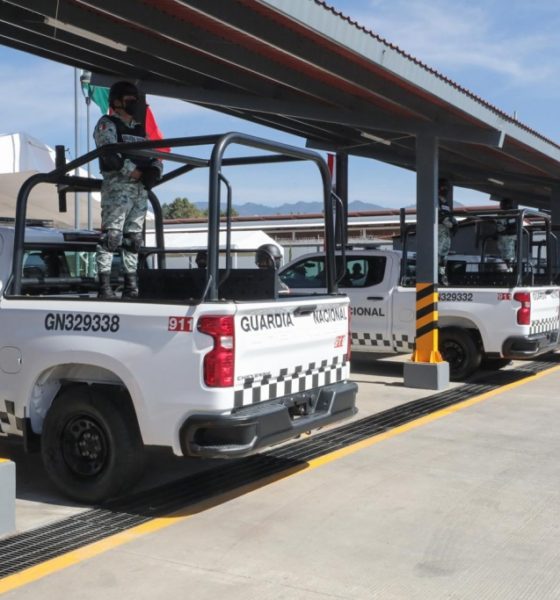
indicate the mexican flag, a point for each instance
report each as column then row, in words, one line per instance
column 100, row 96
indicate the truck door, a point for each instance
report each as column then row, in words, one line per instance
column 368, row 284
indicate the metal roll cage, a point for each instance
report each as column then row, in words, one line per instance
column 521, row 216
column 281, row 153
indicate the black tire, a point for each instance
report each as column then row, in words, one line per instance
column 460, row 350
column 91, row 445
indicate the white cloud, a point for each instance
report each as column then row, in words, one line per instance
column 453, row 35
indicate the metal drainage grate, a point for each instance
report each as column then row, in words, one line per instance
column 30, row 548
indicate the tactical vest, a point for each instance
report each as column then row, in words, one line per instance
column 128, row 134
column 507, row 226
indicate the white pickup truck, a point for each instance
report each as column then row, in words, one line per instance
column 210, row 363
column 484, row 314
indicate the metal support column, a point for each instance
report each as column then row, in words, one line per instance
column 7, row 497
column 341, row 190
column 555, row 224
column 427, row 369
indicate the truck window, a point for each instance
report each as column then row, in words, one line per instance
column 45, row 263
column 55, row 271
column 361, row 271
column 34, row 265
column 307, row 273
column 364, row 271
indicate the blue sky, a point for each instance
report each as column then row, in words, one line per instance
column 505, row 51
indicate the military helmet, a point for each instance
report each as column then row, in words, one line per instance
column 201, row 259
column 268, row 255
column 120, row 89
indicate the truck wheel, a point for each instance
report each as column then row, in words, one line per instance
column 91, row 445
column 459, row 349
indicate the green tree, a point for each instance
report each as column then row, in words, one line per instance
column 234, row 213
column 181, row 208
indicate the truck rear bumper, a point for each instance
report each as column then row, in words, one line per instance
column 527, row 347
column 267, row 423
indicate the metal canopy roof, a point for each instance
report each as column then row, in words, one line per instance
column 298, row 66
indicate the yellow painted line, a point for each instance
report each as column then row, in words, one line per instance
column 76, row 556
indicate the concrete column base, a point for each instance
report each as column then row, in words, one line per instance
column 428, row 376
column 7, row 497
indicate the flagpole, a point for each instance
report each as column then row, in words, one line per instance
column 85, row 80
column 76, row 149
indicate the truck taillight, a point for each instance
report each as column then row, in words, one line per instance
column 219, row 363
column 523, row 313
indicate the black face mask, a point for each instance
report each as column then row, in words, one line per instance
column 130, row 107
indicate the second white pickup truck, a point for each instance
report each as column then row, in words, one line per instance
column 484, row 314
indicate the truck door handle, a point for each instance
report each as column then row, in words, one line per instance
column 304, row 310
column 375, row 297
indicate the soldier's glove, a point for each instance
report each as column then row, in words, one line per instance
column 150, row 176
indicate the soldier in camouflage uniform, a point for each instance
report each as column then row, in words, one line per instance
column 124, row 191
column 507, row 234
column 446, row 227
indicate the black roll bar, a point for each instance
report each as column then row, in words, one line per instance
column 282, row 152
column 214, row 201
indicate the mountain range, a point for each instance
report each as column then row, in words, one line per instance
column 297, row 208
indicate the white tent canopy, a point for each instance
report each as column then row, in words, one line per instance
column 198, row 240
column 244, row 243
column 22, row 156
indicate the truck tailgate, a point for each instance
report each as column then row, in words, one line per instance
column 292, row 347
column 545, row 307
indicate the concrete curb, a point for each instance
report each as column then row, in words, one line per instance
column 7, row 497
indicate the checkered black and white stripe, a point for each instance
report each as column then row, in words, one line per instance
column 544, row 325
column 403, row 343
column 397, row 343
column 9, row 423
column 368, row 339
column 285, row 383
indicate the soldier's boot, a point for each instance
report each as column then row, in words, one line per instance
column 130, row 286
column 105, row 289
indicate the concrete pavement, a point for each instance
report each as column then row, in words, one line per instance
column 466, row 505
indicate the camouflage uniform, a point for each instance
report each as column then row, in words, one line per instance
column 124, row 201
column 446, row 224
column 507, row 238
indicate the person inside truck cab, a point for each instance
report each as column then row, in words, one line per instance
column 268, row 256
column 201, row 259
column 356, row 271
column 447, row 225
column 506, row 229
column 124, row 192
